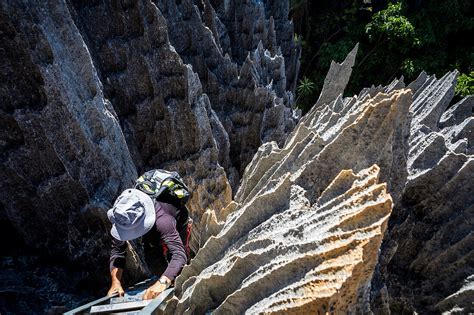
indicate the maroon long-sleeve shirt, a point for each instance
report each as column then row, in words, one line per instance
column 166, row 225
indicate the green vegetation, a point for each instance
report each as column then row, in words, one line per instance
column 396, row 38
column 465, row 84
column 305, row 89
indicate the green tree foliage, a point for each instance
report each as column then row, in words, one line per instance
column 390, row 23
column 392, row 27
column 396, row 38
column 465, row 84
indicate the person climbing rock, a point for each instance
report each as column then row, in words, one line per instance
column 154, row 207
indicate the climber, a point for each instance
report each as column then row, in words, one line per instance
column 156, row 201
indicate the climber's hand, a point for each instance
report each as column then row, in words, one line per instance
column 155, row 290
column 115, row 288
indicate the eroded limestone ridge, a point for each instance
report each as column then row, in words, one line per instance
column 282, row 253
column 281, row 249
column 427, row 259
column 247, row 63
column 89, row 102
column 308, row 218
column 95, row 92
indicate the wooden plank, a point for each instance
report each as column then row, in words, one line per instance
column 119, row 306
column 85, row 307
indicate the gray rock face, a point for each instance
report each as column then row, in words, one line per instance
column 428, row 253
column 64, row 156
column 94, row 93
column 247, row 86
column 363, row 205
column 167, row 120
column 337, row 79
column 64, row 159
column 288, row 203
column 244, row 24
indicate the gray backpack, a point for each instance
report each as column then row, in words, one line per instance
column 164, row 186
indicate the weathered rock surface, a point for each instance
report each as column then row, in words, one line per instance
column 282, row 248
column 424, row 151
column 243, row 24
column 280, row 253
column 247, row 86
column 166, row 118
column 428, row 254
column 364, row 205
column 94, row 93
column 337, row 78
column 64, row 156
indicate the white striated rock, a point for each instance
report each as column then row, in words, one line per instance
column 282, row 253
column 269, row 256
column 337, row 78
column 281, row 248
column 428, row 249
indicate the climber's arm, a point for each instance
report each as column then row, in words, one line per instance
column 166, row 225
column 170, row 236
column 116, row 266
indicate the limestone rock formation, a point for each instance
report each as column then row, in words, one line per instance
column 243, row 24
column 337, row 79
column 204, row 132
column 94, row 93
column 280, row 253
column 63, row 156
column 275, row 251
column 248, row 94
column 167, row 120
column 424, row 151
column 363, row 205
column 63, row 152
column 428, row 257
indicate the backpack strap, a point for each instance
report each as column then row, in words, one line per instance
column 147, row 186
column 150, row 187
column 155, row 182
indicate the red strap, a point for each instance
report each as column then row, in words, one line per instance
column 164, row 248
column 188, row 236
